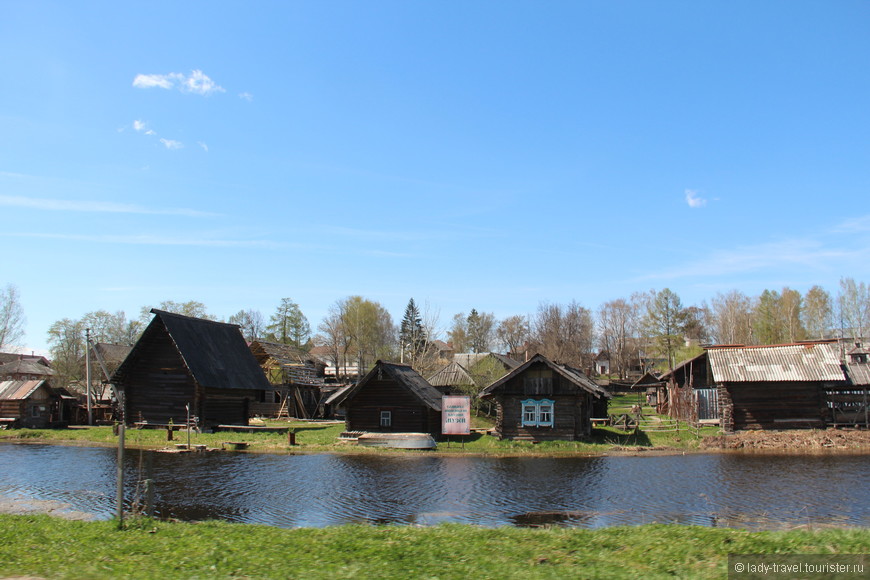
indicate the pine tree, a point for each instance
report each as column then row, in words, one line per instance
column 412, row 334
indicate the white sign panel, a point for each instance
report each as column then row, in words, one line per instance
column 455, row 415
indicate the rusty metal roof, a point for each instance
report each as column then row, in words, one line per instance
column 18, row 390
column 787, row 362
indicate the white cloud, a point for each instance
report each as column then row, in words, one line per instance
column 151, row 81
column 44, row 204
column 693, row 200
column 138, row 125
column 246, row 96
column 171, row 143
column 198, row 83
column 203, row 145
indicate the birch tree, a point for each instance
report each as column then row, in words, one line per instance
column 11, row 318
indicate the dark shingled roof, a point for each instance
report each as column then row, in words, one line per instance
column 575, row 376
column 25, row 367
column 402, row 374
column 215, row 353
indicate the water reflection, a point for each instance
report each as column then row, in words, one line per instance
column 756, row 492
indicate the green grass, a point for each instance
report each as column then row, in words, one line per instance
column 322, row 437
column 59, row 549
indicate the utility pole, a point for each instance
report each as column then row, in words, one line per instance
column 88, row 374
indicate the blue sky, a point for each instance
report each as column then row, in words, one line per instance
column 489, row 155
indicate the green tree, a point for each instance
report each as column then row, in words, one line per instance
column 358, row 330
column 513, row 333
column 564, row 333
column 767, row 319
column 413, row 339
column 665, row 322
column 250, row 322
column 289, row 325
column 481, row 330
column 66, row 340
column 458, row 333
column 853, row 303
column 817, row 313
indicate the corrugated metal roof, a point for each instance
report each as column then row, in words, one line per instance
column 789, row 362
column 18, row 390
column 859, row 374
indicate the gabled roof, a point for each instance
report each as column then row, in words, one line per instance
column 284, row 354
column 402, row 374
column 664, row 376
column 18, row 390
column 451, row 375
column 113, row 353
column 215, row 353
column 469, row 359
column 649, row 379
column 575, row 376
column 811, row 361
column 25, row 367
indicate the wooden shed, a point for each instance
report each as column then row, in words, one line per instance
column 297, row 379
column 180, row 361
column 392, row 398
column 776, row 387
column 26, row 403
column 542, row 401
column 688, row 393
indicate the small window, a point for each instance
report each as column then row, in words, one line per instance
column 386, row 418
column 538, row 413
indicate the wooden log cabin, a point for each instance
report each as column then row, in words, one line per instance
column 392, row 398
column 776, row 387
column 544, row 401
column 180, row 361
column 26, row 403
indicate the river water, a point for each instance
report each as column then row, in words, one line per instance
column 735, row 490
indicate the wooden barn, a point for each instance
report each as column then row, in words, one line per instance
column 297, row 380
column 452, row 379
column 543, row 401
column 181, row 361
column 392, row 398
column 27, row 404
column 776, row 387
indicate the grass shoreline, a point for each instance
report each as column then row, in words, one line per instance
column 51, row 548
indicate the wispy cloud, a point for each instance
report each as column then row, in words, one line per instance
column 151, row 240
column 694, row 200
column 171, row 143
column 203, row 145
column 408, row 235
column 44, row 204
column 854, row 225
column 197, row 83
column 246, row 96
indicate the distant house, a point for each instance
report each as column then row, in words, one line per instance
column 337, row 371
column 687, row 393
column 541, row 400
column 182, row 362
column 452, row 379
column 27, row 403
column 25, row 369
column 391, row 398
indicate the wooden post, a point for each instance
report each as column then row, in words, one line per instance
column 120, row 494
column 291, row 437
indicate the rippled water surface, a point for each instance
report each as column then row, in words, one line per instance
column 751, row 491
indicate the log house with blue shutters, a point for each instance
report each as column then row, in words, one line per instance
column 545, row 401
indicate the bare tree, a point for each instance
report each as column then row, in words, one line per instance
column 11, row 318
column 564, row 333
column 513, row 333
column 732, row 318
column 250, row 322
column 618, row 322
column 854, row 306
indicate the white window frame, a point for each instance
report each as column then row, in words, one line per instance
column 538, row 412
column 386, row 419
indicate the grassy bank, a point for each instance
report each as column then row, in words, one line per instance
column 312, row 437
column 322, row 437
column 52, row 548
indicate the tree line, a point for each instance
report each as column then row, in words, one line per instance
column 643, row 328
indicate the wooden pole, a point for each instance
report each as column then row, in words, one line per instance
column 120, row 494
column 88, row 374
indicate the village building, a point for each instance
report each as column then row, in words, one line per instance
column 788, row 386
column 184, row 366
column 25, row 369
column 542, row 400
column 297, row 381
column 27, row 403
column 391, row 398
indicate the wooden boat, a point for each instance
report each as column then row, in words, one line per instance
column 397, row 440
